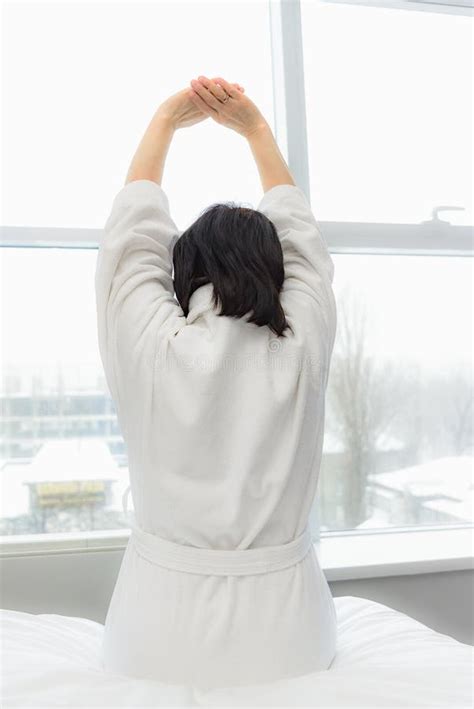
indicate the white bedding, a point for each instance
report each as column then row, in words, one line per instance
column 384, row 659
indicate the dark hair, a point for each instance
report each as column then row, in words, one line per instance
column 237, row 250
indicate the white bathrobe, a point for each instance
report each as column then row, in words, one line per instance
column 223, row 423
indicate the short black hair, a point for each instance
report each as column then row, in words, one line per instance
column 237, row 249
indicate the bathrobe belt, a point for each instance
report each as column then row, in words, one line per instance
column 219, row 562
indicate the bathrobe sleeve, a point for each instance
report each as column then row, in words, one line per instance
column 133, row 282
column 309, row 268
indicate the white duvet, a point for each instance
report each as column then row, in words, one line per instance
column 384, row 659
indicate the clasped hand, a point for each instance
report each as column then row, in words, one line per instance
column 216, row 98
column 226, row 104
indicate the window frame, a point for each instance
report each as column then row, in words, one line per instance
column 433, row 237
column 450, row 7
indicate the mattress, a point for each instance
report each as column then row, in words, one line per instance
column 384, row 659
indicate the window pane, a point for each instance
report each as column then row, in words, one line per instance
column 389, row 111
column 398, row 443
column 74, row 115
column 64, row 466
column 398, row 447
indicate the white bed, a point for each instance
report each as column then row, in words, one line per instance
column 384, row 659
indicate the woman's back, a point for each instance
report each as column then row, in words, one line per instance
column 229, row 456
column 223, row 420
column 224, row 425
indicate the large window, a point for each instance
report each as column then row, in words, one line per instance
column 379, row 138
column 83, row 79
column 389, row 112
column 389, row 137
column 64, row 465
column 399, row 430
column 81, row 82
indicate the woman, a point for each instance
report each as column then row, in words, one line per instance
column 219, row 390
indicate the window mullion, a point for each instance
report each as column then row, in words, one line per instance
column 66, row 237
column 288, row 88
column 449, row 7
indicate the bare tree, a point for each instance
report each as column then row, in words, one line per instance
column 459, row 408
column 451, row 411
column 362, row 403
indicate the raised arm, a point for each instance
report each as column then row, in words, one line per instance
column 133, row 279
column 135, row 299
column 271, row 164
column 149, row 159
